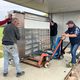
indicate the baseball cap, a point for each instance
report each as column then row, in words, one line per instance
column 70, row 22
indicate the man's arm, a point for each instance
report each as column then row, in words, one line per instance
column 4, row 21
column 56, row 25
column 69, row 35
column 17, row 34
column 76, row 33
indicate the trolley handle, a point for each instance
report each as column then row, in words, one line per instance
column 55, row 50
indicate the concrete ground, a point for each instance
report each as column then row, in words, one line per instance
column 56, row 71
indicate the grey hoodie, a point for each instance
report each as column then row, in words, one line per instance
column 10, row 34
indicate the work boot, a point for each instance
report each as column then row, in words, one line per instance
column 79, row 62
column 5, row 74
column 20, row 74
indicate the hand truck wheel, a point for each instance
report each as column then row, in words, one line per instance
column 46, row 64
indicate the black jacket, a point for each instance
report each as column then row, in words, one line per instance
column 10, row 34
column 53, row 29
column 74, row 30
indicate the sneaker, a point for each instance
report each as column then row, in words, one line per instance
column 5, row 74
column 20, row 74
column 69, row 65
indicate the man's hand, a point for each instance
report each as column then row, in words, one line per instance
column 67, row 35
column 63, row 37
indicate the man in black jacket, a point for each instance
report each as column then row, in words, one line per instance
column 53, row 33
column 9, row 41
column 73, row 33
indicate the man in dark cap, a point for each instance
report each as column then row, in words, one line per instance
column 73, row 33
column 53, row 33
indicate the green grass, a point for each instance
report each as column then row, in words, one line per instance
column 1, row 35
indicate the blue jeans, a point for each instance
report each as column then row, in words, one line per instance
column 11, row 50
column 52, row 41
column 73, row 52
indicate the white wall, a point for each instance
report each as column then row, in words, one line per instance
column 62, row 18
